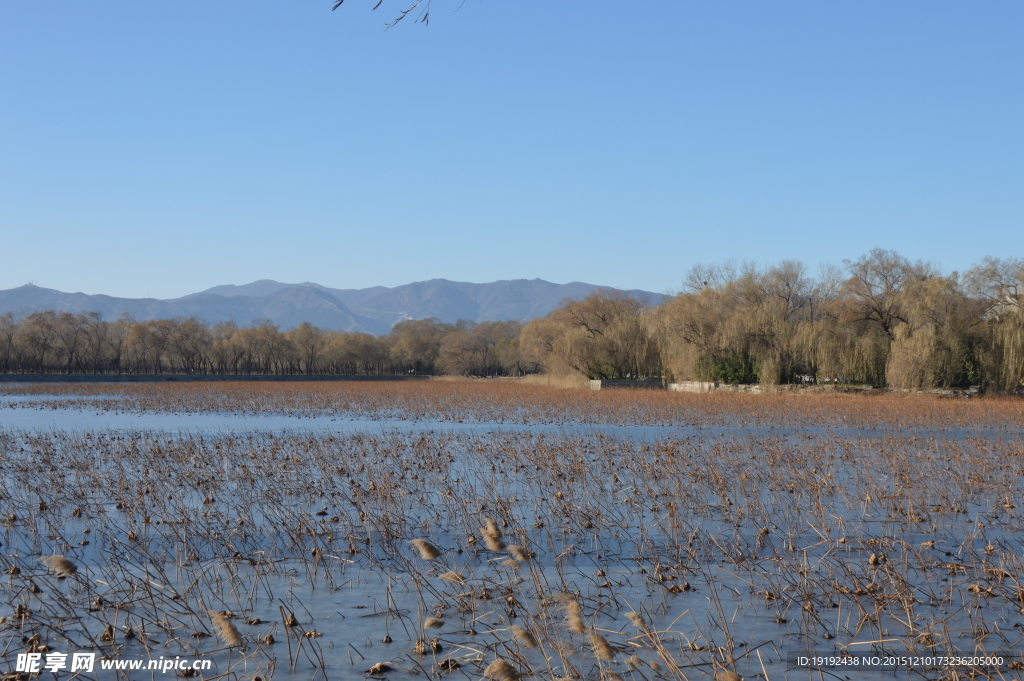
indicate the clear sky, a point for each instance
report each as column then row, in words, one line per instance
column 160, row 148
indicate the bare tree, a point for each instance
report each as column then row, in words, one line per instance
column 8, row 331
column 310, row 342
column 70, row 334
column 96, row 341
column 875, row 286
column 479, row 349
column 38, row 335
column 999, row 282
column 417, row 343
column 191, row 342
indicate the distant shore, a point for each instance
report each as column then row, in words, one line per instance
column 181, row 378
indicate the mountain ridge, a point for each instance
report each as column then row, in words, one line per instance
column 370, row 310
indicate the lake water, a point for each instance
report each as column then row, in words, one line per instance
column 667, row 551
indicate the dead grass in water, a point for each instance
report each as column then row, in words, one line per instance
column 516, row 553
column 519, row 403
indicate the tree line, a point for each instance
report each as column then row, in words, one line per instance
column 65, row 342
column 881, row 319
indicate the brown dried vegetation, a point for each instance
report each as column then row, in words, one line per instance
column 731, row 523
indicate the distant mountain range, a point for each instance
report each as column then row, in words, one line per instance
column 371, row 310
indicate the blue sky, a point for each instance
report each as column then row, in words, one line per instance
column 161, row 148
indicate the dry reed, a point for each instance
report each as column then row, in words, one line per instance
column 427, row 550
column 602, row 649
column 225, row 628
column 574, row 616
column 524, row 636
column 60, row 565
column 644, row 516
column 501, row 670
column 453, row 577
column 519, row 553
column 637, row 620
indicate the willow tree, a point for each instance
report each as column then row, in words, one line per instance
column 605, row 335
column 309, row 341
column 999, row 284
column 737, row 326
column 37, row 337
column 484, row 349
column 358, row 353
column 417, row 343
column 688, row 328
column 8, row 330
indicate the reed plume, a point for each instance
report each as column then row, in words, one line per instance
column 59, row 565
column 493, row 543
column 575, row 616
column 637, row 620
column 427, row 550
column 519, row 553
column 501, row 670
column 524, row 636
column 492, row 535
column 453, row 577
column 490, row 527
column 602, row 649
column 226, row 631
